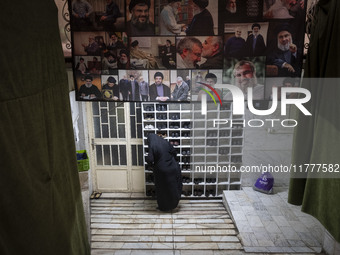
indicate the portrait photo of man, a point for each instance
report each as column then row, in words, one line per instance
column 169, row 23
column 212, row 52
column 255, row 44
column 189, row 52
column 109, row 16
column 90, row 89
column 159, row 91
column 141, row 18
column 82, row 15
column 285, row 55
column 244, row 76
column 282, row 9
column 181, row 90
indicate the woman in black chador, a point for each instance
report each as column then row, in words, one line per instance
column 168, row 178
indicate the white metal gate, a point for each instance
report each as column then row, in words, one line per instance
column 115, row 132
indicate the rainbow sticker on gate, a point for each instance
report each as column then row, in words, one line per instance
column 209, row 93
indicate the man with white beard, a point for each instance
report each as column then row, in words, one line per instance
column 244, row 73
column 231, row 6
column 285, row 56
column 168, row 19
column 230, row 11
column 88, row 90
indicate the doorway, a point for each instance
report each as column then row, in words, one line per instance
column 115, row 133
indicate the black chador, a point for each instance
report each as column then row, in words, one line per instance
column 168, row 178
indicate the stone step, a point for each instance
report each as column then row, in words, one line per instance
column 171, row 252
column 160, row 221
column 163, row 216
column 163, row 238
column 162, row 226
column 166, row 246
column 175, row 232
column 153, row 212
column 118, row 204
column 139, row 201
column 153, row 208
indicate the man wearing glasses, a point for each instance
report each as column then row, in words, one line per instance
column 189, row 50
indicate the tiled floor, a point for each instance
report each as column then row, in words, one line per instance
column 267, row 223
column 126, row 223
column 134, row 226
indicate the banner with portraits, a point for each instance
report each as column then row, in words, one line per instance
column 174, row 51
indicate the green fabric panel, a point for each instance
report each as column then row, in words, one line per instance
column 30, row 54
column 41, row 204
column 317, row 138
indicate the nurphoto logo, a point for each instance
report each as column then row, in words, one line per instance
column 238, row 100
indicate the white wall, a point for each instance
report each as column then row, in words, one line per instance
column 268, row 145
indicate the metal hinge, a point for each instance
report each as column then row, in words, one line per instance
column 93, row 144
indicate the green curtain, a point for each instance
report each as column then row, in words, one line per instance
column 40, row 198
column 317, row 138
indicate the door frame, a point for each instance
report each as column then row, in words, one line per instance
column 135, row 179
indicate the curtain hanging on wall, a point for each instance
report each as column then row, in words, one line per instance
column 41, row 204
column 317, row 138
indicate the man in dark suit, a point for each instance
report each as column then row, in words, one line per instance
column 234, row 46
column 125, row 88
column 181, row 90
column 134, row 86
column 159, row 91
column 168, row 55
column 110, row 15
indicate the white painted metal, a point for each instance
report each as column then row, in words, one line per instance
column 112, row 172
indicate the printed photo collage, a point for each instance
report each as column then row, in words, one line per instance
column 175, row 51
